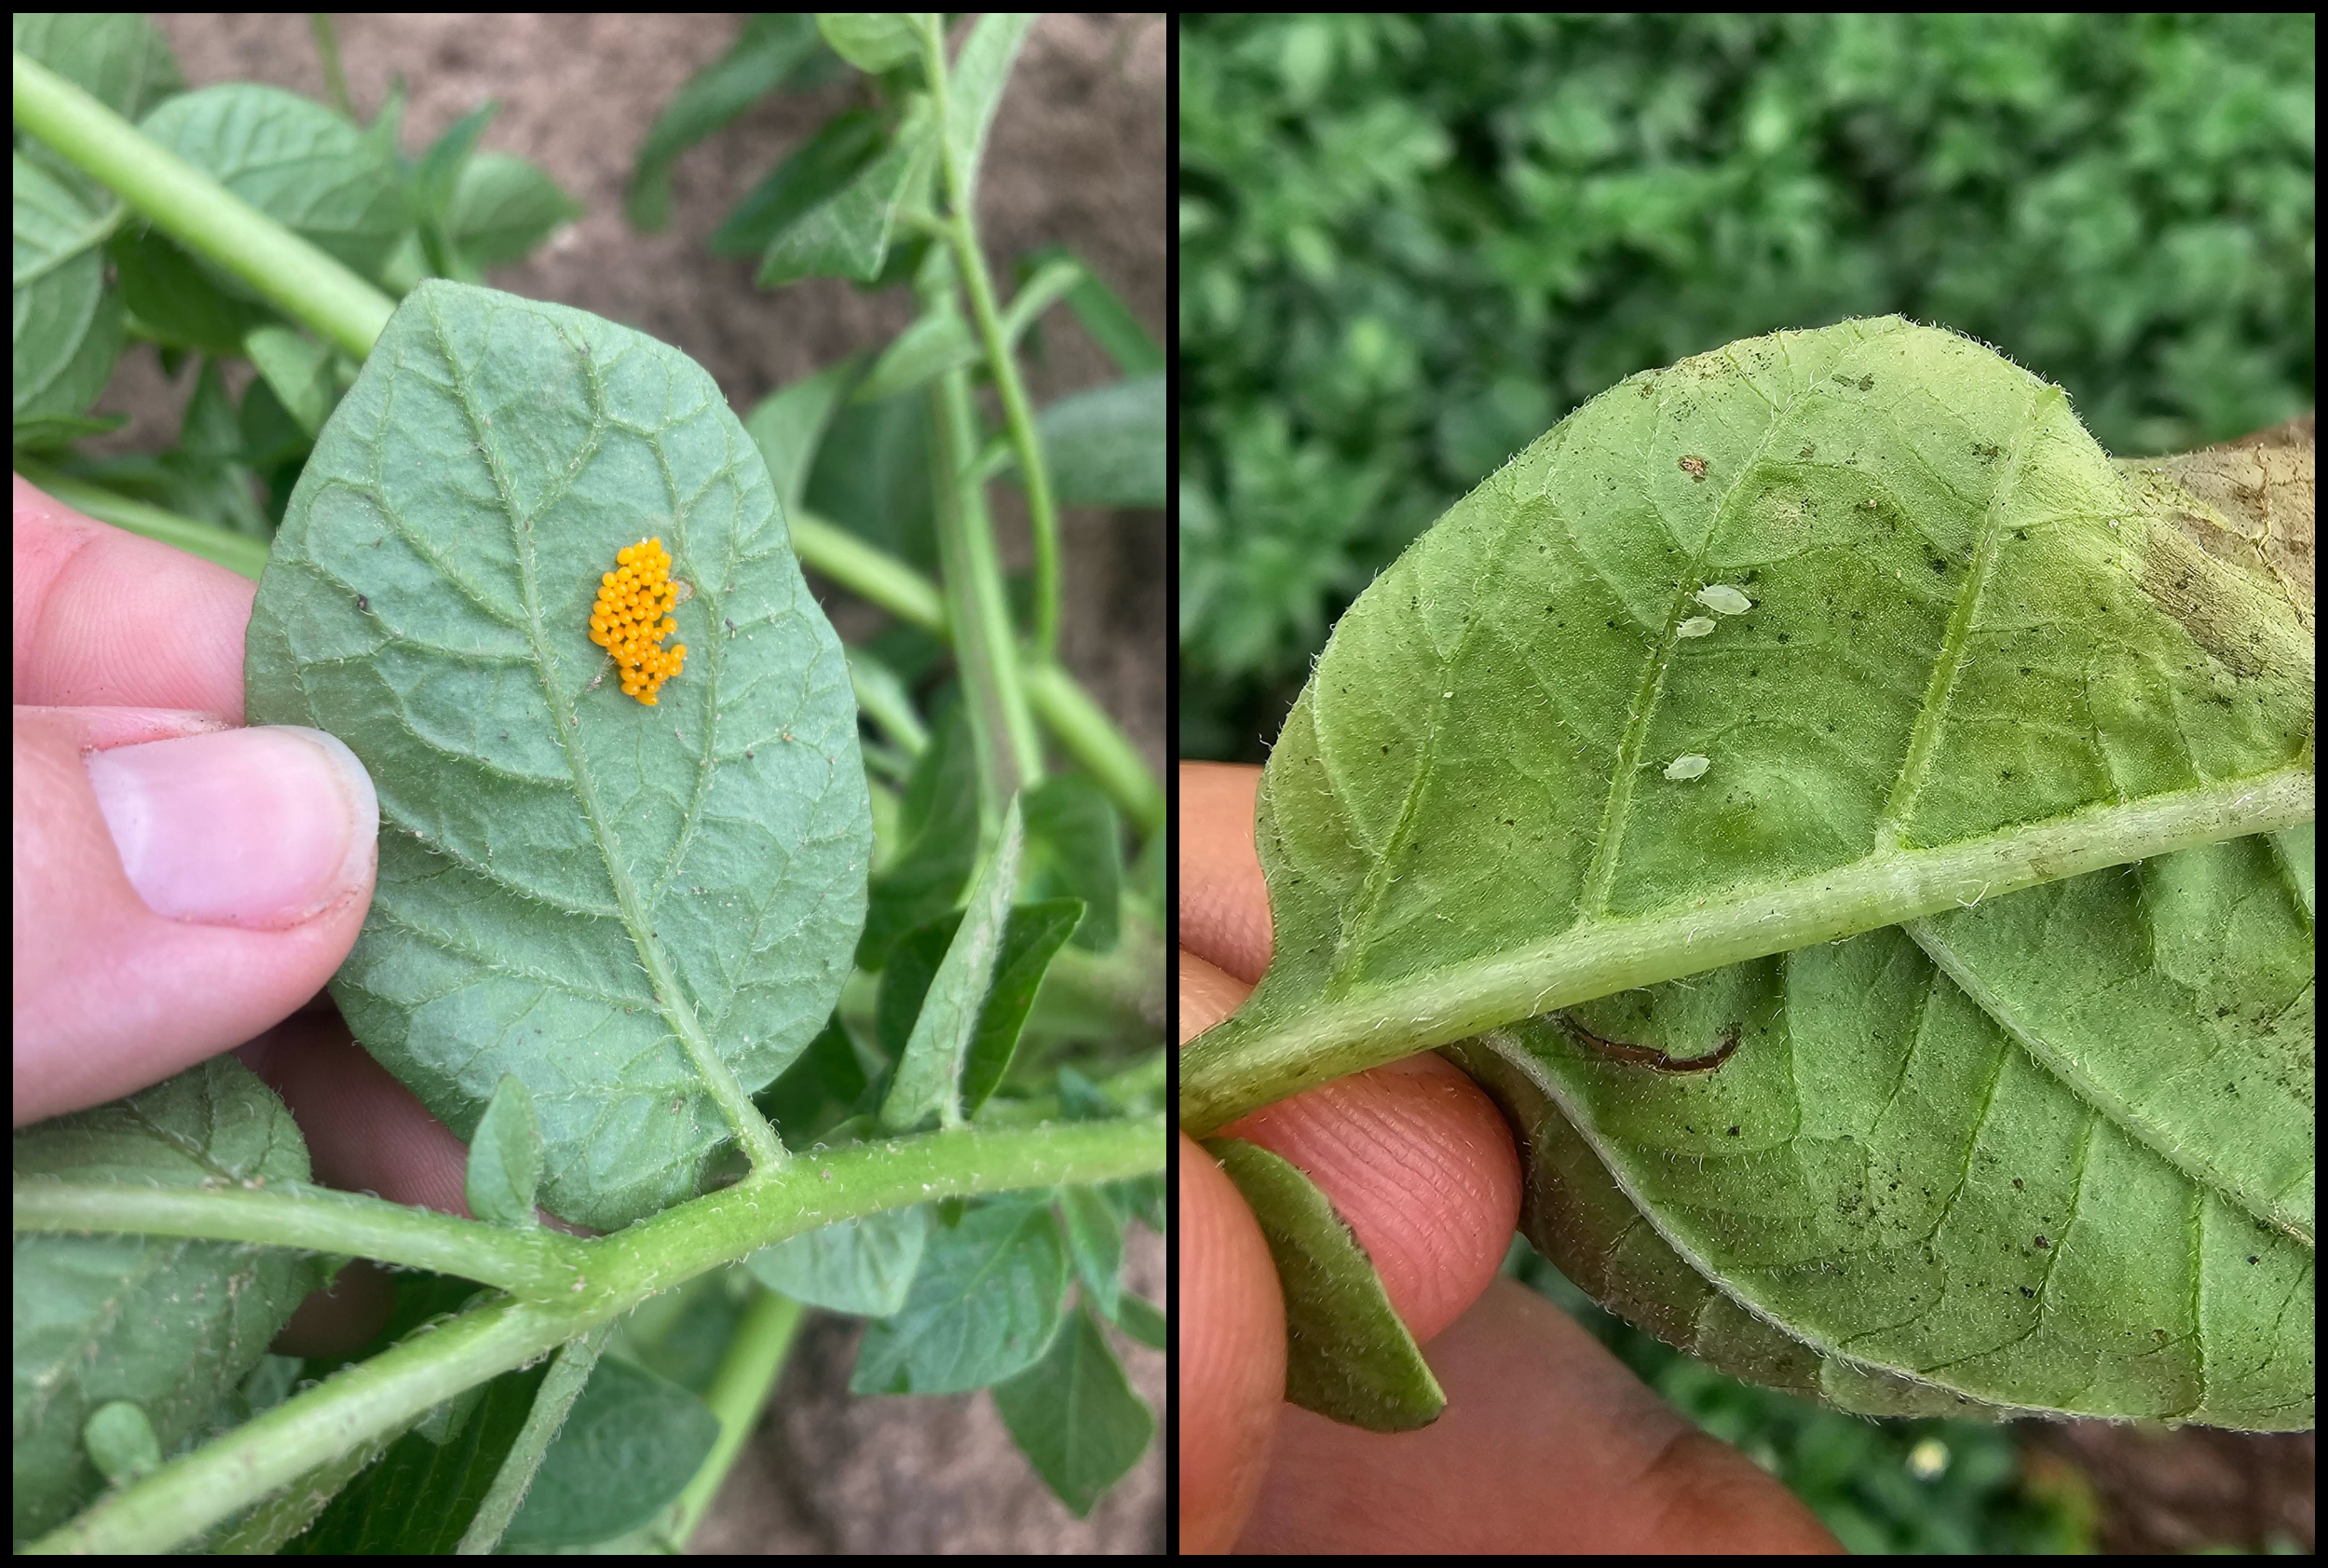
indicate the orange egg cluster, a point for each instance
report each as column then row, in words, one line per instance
column 633, row 617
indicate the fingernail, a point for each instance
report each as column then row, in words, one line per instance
column 263, row 827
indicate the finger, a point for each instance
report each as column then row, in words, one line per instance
column 1224, row 903
column 173, row 897
column 1232, row 1328
column 1413, row 1155
column 1419, row 1162
column 1549, row 1444
column 104, row 619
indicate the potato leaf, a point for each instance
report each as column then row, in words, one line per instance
column 595, row 895
column 1975, row 658
column 168, row 1323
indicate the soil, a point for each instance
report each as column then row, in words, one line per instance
column 1076, row 157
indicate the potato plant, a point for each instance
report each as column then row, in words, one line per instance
column 781, row 974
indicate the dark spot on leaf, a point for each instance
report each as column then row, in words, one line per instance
column 2017, row 1187
column 2043, row 1244
column 363, row 604
column 2026, row 1291
column 1734, row 1132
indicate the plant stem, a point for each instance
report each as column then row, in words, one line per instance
column 178, row 1502
column 747, row 1374
column 1276, row 1046
column 962, row 231
column 551, row 1401
column 327, row 52
column 978, row 609
column 198, row 212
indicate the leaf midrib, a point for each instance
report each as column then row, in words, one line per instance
column 1258, row 1056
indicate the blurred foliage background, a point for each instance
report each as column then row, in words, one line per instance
column 1410, row 244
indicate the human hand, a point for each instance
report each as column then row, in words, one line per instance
column 1547, row 1442
column 183, row 885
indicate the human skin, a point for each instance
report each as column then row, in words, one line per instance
column 185, row 885
column 1547, row 1442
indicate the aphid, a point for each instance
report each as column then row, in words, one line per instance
column 363, row 604
column 633, row 616
column 1722, row 599
column 1682, row 769
column 1695, row 626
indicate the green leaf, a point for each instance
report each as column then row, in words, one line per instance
column 1113, row 326
column 929, row 1079
column 438, row 174
column 1076, row 1417
column 975, row 89
column 861, row 1266
column 1908, row 1197
column 503, row 206
column 847, row 234
column 166, row 1324
column 505, row 1157
column 1142, row 1319
column 882, row 698
column 420, row 1496
column 1095, row 1243
column 68, row 322
column 600, row 897
column 940, row 825
column 872, row 40
column 871, row 475
column 1075, row 849
column 1106, row 446
column 933, row 345
column 983, row 1306
column 1348, row 1355
column 174, row 301
column 298, row 371
column 121, row 1442
column 118, row 58
column 1032, row 940
column 789, row 425
column 630, row 1445
column 1974, row 658
column 295, row 160
column 1051, row 279
column 815, row 173
column 821, row 1088
column 773, row 48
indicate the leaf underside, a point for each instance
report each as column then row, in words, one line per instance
column 1961, row 625
column 572, row 885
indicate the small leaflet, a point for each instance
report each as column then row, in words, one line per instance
column 1695, row 626
column 1722, row 599
column 1682, row 769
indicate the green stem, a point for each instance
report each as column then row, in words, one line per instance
column 978, row 605
column 1274, row 1046
column 327, row 54
column 747, row 1375
column 559, row 1389
column 1087, row 734
column 178, row 1502
column 1017, row 415
column 198, row 212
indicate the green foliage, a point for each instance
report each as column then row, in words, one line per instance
column 632, row 1440
column 164, row 1323
column 1076, row 1416
column 1348, row 1355
column 1925, row 1486
column 607, row 945
column 2051, row 1150
column 571, row 884
column 1410, row 243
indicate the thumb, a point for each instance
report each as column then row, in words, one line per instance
column 179, row 887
